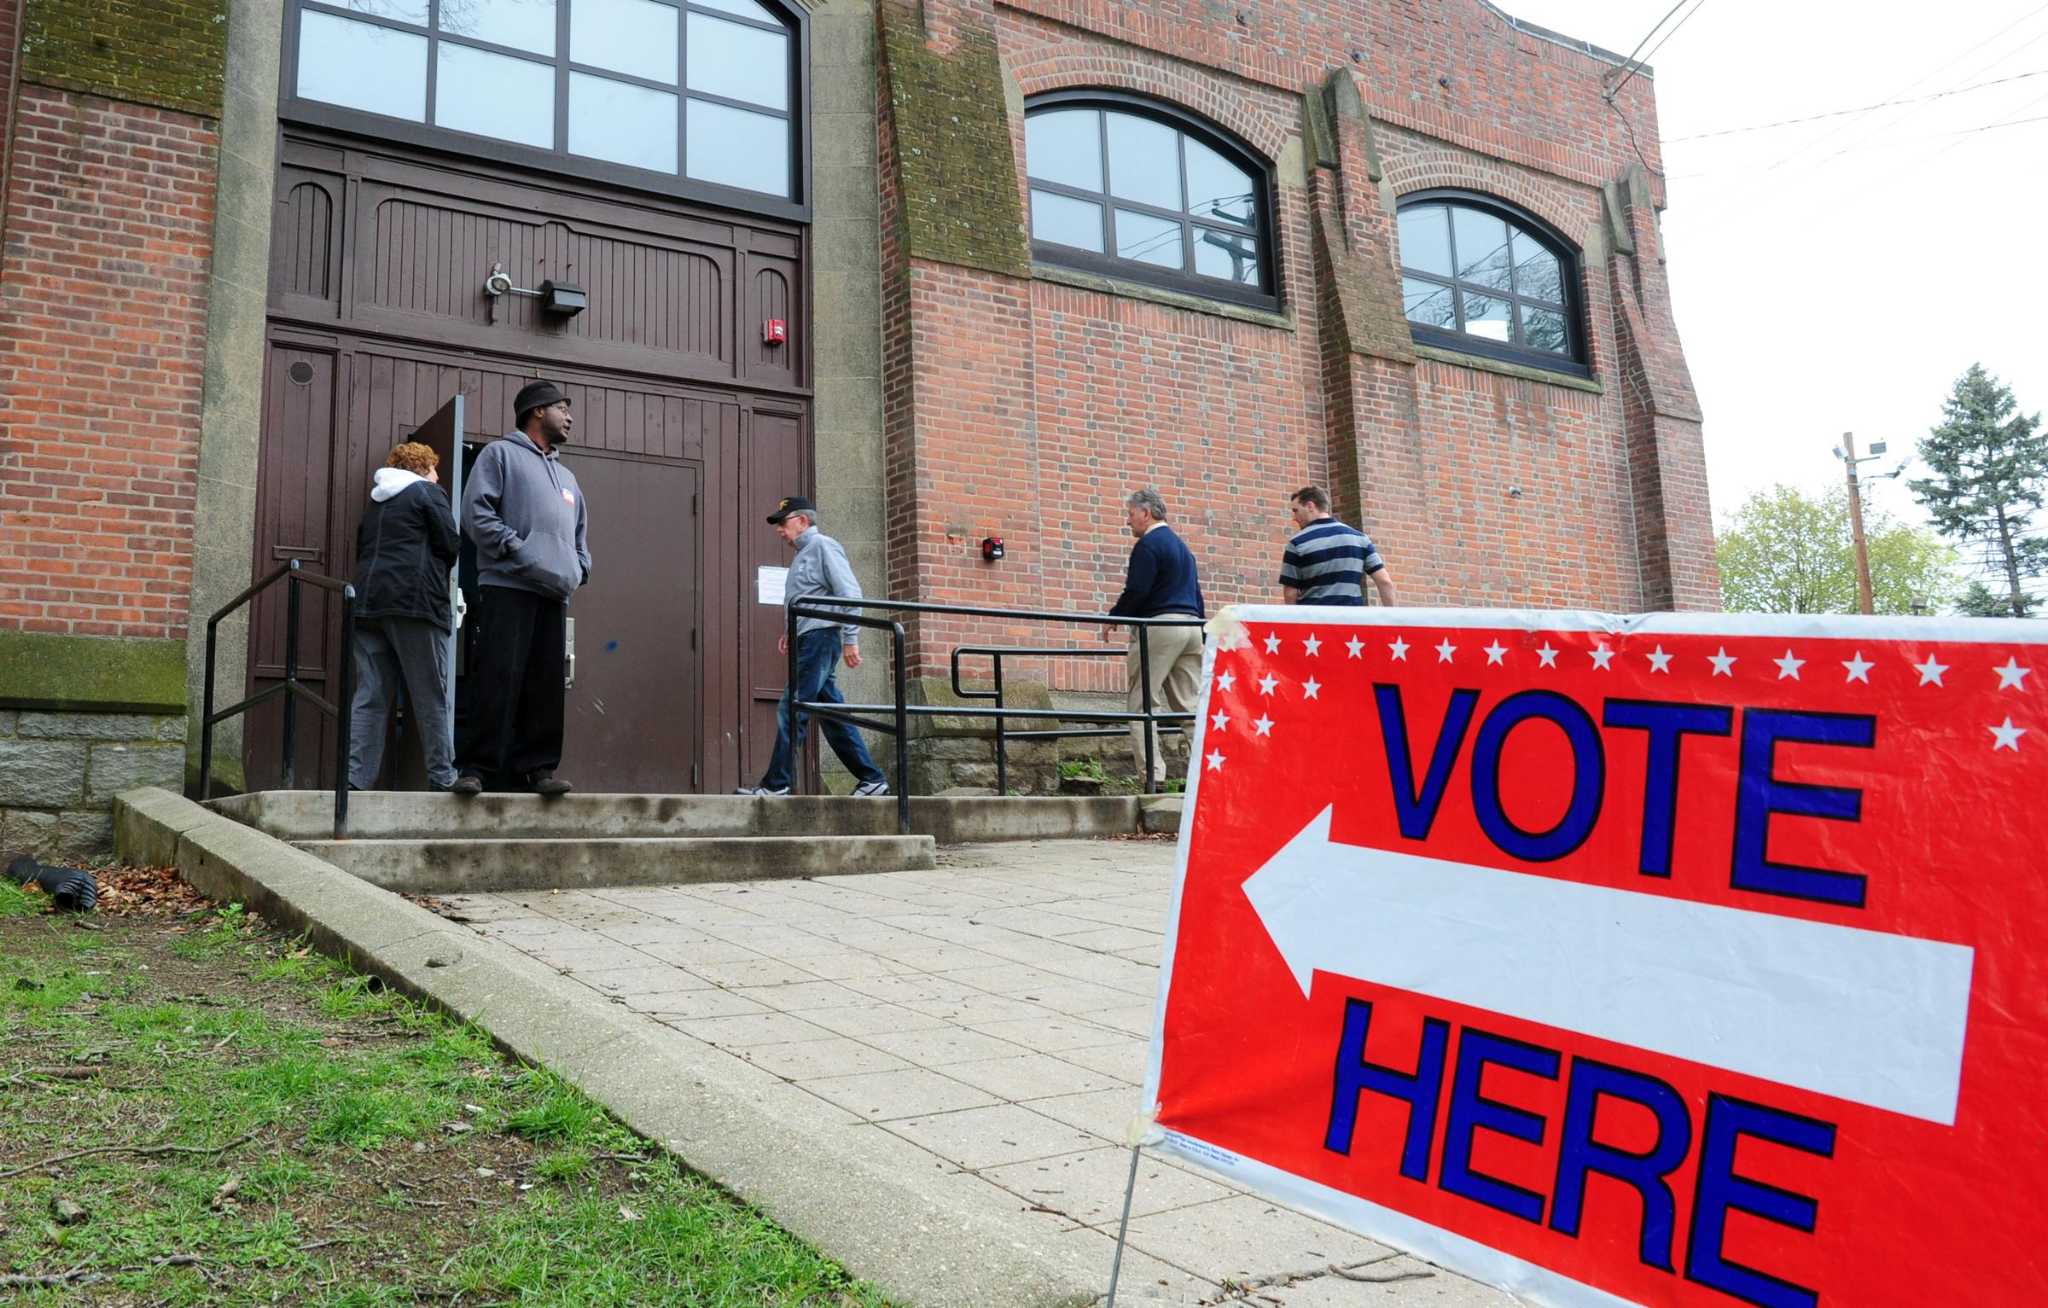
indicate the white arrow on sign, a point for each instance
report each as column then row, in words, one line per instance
column 1861, row 1015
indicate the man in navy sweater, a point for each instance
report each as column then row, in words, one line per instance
column 1160, row 582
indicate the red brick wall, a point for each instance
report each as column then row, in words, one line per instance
column 102, row 342
column 1036, row 406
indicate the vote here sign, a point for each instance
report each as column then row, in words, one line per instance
column 1677, row 960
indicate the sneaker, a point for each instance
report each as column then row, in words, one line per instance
column 467, row 784
column 548, row 784
column 763, row 792
column 867, row 788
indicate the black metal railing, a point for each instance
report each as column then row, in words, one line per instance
column 844, row 611
column 291, row 688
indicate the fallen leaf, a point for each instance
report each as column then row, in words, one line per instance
column 628, row 1214
column 67, row 1211
column 486, row 1172
column 457, row 1128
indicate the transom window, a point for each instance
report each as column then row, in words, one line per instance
column 1138, row 190
column 700, row 89
column 1481, row 277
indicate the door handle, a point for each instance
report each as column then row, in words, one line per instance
column 569, row 652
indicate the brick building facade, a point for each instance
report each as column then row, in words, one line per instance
column 950, row 373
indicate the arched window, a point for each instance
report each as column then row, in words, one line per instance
column 1485, row 278
column 1139, row 190
column 696, row 95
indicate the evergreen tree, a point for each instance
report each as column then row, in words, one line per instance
column 1990, row 466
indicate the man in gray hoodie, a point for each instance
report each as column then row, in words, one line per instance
column 523, row 510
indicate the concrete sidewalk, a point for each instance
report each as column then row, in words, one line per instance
column 993, row 1013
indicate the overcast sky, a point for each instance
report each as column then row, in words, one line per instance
column 1840, row 275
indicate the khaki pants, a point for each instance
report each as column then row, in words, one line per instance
column 1175, row 656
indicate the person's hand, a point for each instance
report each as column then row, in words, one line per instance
column 1108, row 630
column 782, row 644
column 852, row 654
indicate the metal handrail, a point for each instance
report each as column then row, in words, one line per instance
column 995, row 655
column 291, row 688
column 842, row 611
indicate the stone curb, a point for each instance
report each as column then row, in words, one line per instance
column 818, row 1171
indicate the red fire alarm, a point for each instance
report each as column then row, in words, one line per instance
column 991, row 548
column 774, row 331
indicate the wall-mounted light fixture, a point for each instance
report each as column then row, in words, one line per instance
column 559, row 298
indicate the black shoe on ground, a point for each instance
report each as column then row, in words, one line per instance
column 548, row 784
column 466, row 785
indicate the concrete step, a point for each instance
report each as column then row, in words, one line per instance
column 475, row 866
column 302, row 815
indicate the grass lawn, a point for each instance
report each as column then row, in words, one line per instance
column 200, row 1111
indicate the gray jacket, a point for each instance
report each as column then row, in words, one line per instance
column 820, row 571
column 525, row 512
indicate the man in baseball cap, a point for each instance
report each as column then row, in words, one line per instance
column 819, row 571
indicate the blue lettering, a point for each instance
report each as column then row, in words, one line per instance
column 1589, row 776
column 1761, row 795
column 1354, row 1076
column 1579, row 1154
column 1719, row 1189
column 1416, row 809
column 1667, row 724
column 1471, row 1112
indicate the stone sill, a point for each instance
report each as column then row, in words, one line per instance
column 1590, row 385
column 1046, row 272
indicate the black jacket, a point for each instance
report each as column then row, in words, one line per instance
column 404, row 548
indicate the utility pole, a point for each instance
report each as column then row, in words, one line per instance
column 1846, row 452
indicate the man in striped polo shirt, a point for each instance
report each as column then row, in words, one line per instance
column 1327, row 562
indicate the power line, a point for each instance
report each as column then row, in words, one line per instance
column 1673, row 32
column 1921, row 80
column 1862, row 109
column 1638, row 50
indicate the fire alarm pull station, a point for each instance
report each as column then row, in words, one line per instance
column 991, row 548
column 774, row 331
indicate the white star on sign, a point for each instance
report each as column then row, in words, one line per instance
column 1930, row 670
column 1264, row 724
column 1547, row 655
column 1722, row 661
column 2012, row 676
column 1859, row 667
column 1273, row 642
column 1354, row 646
column 2007, row 736
column 1224, row 681
column 1314, row 644
column 1445, row 650
column 1310, row 687
column 1219, row 720
column 1602, row 656
column 1215, row 760
column 1789, row 666
column 1266, row 684
column 1660, row 661
column 1399, row 649
column 1495, row 652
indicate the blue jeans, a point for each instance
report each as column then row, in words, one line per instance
column 817, row 658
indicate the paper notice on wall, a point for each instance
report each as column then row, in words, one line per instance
column 768, row 584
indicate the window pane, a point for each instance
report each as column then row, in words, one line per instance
column 1144, row 161
column 362, row 67
column 623, row 123
column 1482, row 248
column 1065, row 221
column 1218, row 188
column 402, row 11
column 521, row 24
column 744, row 8
column 1537, row 274
column 1428, row 304
column 626, row 36
column 495, row 95
column 1426, row 239
column 1065, row 146
column 740, row 63
column 735, row 148
column 1488, row 317
column 1146, row 239
column 1231, row 256
column 1543, row 330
